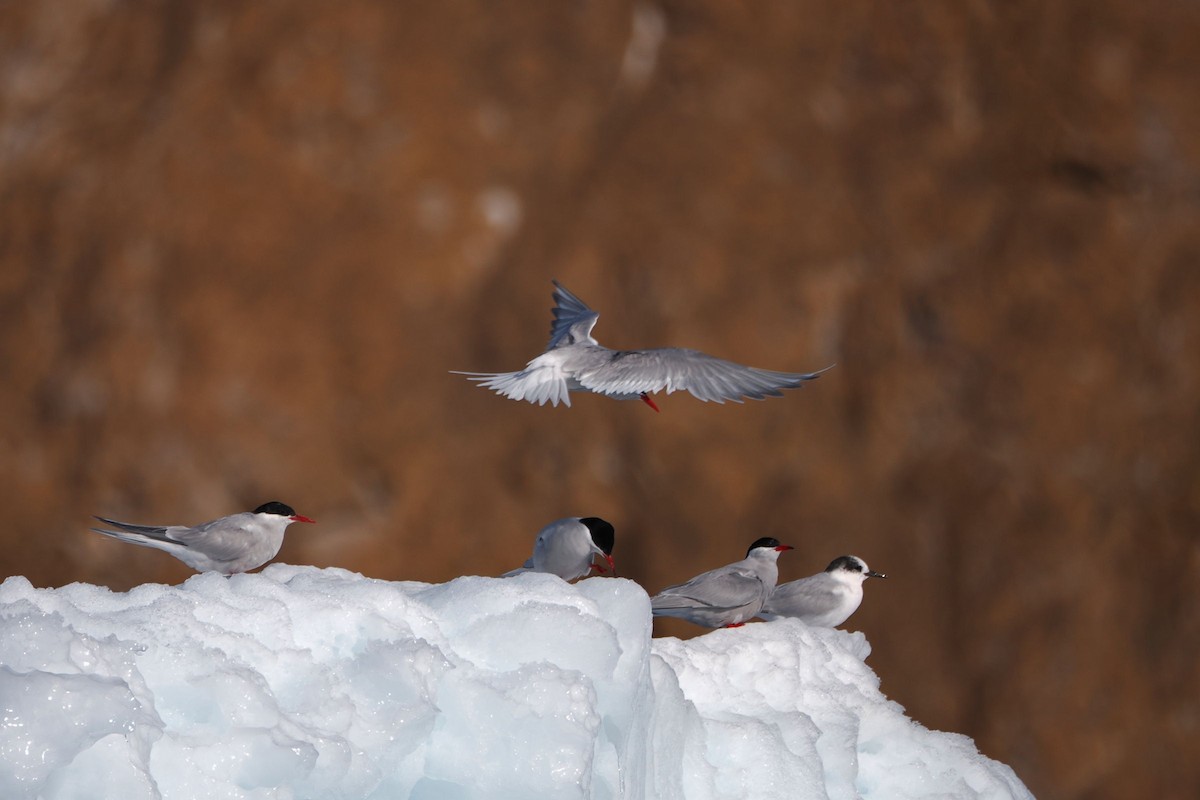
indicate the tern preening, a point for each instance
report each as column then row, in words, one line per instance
column 567, row 548
column 727, row 596
column 575, row 362
column 236, row 543
column 826, row 599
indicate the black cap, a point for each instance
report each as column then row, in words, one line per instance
column 766, row 541
column 276, row 507
column 603, row 533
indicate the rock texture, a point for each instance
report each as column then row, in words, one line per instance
column 242, row 244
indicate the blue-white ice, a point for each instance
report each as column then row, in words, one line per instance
column 307, row 683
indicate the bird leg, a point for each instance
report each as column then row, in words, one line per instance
column 646, row 399
column 734, row 625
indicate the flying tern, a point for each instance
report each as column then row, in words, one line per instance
column 575, row 362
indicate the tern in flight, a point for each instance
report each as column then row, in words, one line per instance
column 575, row 362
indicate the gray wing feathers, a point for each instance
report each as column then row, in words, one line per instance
column 573, row 320
column 674, row 369
column 804, row 596
column 223, row 539
column 723, row 592
column 224, row 543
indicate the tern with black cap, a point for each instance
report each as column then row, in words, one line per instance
column 567, row 548
column 575, row 362
column 727, row 596
column 236, row 543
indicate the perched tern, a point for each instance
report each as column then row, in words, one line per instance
column 726, row 596
column 566, row 548
column 826, row 599
column 575, row 362
column 236, row 543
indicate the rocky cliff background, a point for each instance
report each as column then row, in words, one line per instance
column 241, row 245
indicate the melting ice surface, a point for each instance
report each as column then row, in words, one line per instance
column 307, row 683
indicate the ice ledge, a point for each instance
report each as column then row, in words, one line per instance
column 305, row 683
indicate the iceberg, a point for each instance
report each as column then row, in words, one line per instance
column 299, row 682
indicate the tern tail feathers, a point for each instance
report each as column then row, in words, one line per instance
column 156, row 532
column 158, row 543
column 539, row 385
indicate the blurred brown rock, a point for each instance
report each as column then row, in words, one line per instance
column 241, row 245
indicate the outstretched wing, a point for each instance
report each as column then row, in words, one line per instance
column 573, row 319
column 632, row 372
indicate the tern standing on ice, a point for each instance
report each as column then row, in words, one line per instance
column 826, row 599
column 566, row 548
column 236, row 543
column 575, row 362
column 726, row 596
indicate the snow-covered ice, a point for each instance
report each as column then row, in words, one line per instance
column 319, row 683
